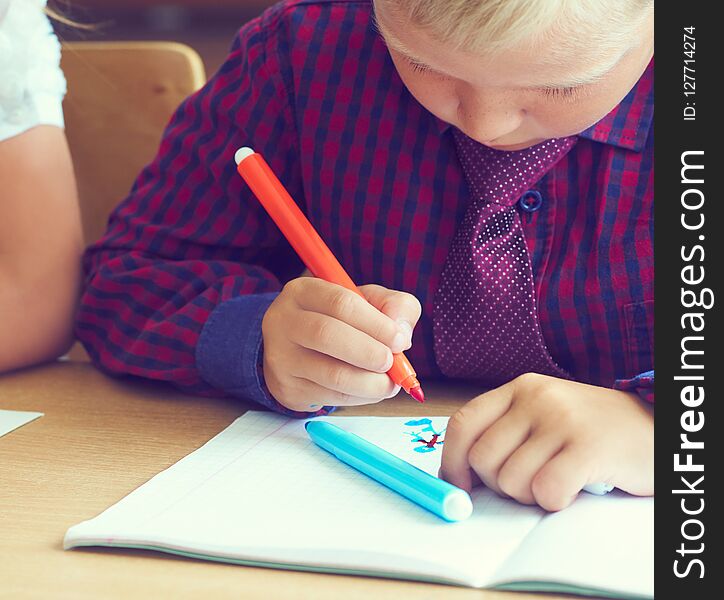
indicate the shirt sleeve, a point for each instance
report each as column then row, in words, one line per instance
column 642, row 384
column 32, row 86
column 178, row 286
column 230, row 350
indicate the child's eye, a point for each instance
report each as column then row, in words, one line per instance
column 418, row 67
column 422, row 68
column 561, row 92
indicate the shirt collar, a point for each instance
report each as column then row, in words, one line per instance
column 627, row 125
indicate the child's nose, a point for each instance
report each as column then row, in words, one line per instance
column 488, row 117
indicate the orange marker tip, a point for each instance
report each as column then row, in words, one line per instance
column 417, row 394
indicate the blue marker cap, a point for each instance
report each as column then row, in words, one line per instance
column 438, row 496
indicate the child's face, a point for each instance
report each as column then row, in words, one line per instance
column 518, row 97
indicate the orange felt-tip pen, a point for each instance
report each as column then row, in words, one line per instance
column 309, row 245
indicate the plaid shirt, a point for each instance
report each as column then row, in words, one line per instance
column 178, row 286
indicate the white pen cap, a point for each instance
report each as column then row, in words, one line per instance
column 457, row 506
column 242, row 153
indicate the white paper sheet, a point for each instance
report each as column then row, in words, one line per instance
column 12, row 419
column 261, row 491
column 599, row 542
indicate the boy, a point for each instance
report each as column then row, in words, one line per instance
column 491, row 158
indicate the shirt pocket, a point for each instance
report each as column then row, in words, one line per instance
column 639, row 319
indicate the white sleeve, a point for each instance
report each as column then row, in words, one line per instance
column 32, row 85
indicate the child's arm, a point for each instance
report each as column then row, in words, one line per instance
column 40, row 247
column 177, row 287
column 540, row 439
column 191, row 263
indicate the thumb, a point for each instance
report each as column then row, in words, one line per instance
column 401, row 307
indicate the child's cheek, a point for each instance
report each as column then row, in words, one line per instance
column 438, row 98
column 436, row 95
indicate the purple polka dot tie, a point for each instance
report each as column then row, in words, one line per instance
column 485, row 320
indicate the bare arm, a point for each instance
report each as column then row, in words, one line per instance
column 40, row 247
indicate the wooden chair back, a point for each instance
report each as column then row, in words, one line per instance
column 120, row 98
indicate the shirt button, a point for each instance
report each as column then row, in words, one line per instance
column 530, row 201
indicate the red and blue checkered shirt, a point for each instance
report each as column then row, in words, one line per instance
column 177, row 287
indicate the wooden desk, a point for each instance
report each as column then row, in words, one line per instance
column 101, row 438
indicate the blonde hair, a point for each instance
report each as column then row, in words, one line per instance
column 59, row 17
column 494, row 25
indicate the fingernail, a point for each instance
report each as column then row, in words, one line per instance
column 395, row 391
column 404, row 327
column 388, row 362
column 403, row 338
column 399, row 342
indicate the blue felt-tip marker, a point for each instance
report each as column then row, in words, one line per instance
column 438, row 496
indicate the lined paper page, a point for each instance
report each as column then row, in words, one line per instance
column 599, row 542
column 261, row 490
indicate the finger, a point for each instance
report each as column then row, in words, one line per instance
column 339, row 376
column 345, row 305
column 340, row 340
column 558, row 482
column 516, row 475
column 401, row 307
column 496, row 445
column 310, row 397
column 463, row 430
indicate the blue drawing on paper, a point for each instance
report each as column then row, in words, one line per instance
column 424, row 435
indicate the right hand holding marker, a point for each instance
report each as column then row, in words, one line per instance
column 325, row 345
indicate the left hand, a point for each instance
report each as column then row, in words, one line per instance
column 540, row 439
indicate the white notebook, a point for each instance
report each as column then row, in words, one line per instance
column 261, row 493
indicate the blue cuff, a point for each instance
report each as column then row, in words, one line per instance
column 228, row 350
column 642, row 384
